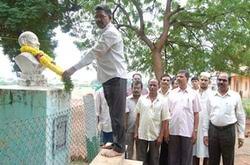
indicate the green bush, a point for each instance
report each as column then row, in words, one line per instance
column 246, row 105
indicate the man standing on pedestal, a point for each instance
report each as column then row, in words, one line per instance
column 111, row 72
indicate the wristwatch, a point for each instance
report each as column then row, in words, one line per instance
column 195, row 130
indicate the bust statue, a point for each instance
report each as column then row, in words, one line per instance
column 30, row 68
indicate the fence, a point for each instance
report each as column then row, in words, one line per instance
column 56, row 139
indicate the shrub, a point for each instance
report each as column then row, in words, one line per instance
column 246, row 105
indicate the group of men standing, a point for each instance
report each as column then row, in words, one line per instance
column 167, row 119
column 179, row 126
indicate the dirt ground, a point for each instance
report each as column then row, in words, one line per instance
column 243, row 154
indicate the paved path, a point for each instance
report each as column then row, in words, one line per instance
column 243, row 154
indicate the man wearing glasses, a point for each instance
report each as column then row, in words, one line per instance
column 224, row 114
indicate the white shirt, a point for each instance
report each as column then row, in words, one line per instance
column 200, row 150
column 182, row 105
column 130, row 109
column 102, row 111
column 163, row 94
column 151, row 116
column 204, row 96
column 109, row 54
column 225, row 110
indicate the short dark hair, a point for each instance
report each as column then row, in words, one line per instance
column 136, row 83
column 136, row 74
column 184, row 72
column 194, row 78
column 173, row 80
column 153, row 79
column 229, row 77
column 105, row 8
column 165, row 75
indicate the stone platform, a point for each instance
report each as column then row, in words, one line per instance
column 118, row 160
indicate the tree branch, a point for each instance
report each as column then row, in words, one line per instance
column 138, row 33
column 125, row 13
column 140, row 13
column 164, row 35
column 175, row 11
column 166, row 23
column 184, row 44
column 141, row 31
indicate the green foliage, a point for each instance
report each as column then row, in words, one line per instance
column 206, row 35
column 210, row 36
column 230, row 36
column 68, row 84
column 136, row 49
column 38, row 16
column 246, row 105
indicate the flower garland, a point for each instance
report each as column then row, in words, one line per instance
column 48, row 62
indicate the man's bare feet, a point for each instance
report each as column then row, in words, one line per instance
column 108, row 146
column 110, row 153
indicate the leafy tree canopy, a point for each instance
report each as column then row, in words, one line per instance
column 203, row 35
column 38, row 16
column 160, row 36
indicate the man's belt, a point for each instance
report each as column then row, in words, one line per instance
column 222, row 127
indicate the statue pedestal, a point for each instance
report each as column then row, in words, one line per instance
column 32, row 80
column 34, row 125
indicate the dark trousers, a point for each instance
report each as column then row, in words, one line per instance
column 180, row 150
column 130, row 143
column 148, row 152
column 164, row 154
column 115, row 94
column 107, row 137
column 221, row 141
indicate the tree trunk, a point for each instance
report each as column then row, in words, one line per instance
column 158, row 65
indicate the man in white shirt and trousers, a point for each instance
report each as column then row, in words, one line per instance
column 184, row 106
column 103, row 117
column 224, row 114
column 200, row 150
column 111, row 72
